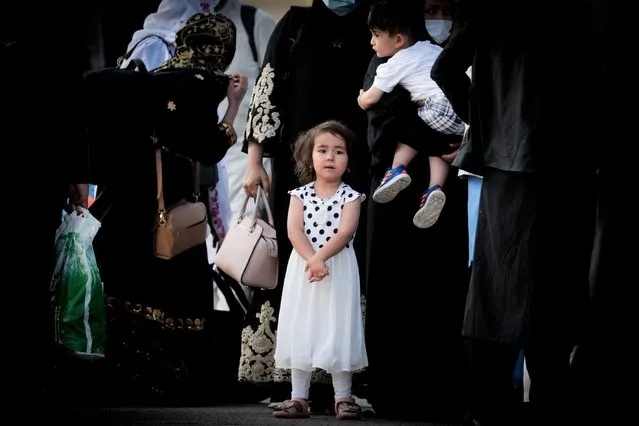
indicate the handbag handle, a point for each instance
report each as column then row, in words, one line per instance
column 264, row 197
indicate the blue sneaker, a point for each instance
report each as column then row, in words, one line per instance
column 394, row 181
column 430, row 207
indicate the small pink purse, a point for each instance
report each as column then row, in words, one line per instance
column 249, row 251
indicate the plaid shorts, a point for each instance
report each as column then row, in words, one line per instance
column 438, row 113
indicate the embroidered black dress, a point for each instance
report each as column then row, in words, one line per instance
column 158, row 309
column 312, row 72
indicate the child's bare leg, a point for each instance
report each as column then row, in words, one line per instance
column 434, row 198
column 404, row 154
column 396, row 178
column 438, row 171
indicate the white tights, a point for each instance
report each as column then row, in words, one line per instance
column 301, row 382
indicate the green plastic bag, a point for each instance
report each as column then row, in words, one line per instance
column 78, row 295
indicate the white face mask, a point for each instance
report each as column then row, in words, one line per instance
column 439, row 29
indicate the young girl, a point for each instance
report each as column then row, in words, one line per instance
column 395, row 29
column 320, row 320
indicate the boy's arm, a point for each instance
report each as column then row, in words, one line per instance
column 387, row 77
column 367, row 99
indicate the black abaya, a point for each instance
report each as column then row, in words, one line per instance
column 416, row 281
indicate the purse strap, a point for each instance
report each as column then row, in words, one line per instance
column 138, row 64
column 261, row 195
column 158, row 172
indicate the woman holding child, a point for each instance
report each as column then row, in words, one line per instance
column 416, row 278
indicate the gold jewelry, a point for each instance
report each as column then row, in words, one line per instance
column 230, row 132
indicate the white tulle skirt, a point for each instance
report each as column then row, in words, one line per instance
column 320, row 324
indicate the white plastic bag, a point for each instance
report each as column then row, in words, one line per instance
column 76, row 286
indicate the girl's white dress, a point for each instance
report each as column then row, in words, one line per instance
column 320, row 324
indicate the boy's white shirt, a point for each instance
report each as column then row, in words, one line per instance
column 410, row 68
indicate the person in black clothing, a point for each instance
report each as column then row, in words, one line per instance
column 43, row 154
column 416, row 278
column 529, row 283
column 159, row 331
column 603, row 373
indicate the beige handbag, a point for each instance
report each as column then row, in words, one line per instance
column 181, row 226
column 249, row 251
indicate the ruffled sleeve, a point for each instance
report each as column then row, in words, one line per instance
column 349, row 194
column 298, row 192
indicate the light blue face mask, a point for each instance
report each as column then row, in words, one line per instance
column 339, row 5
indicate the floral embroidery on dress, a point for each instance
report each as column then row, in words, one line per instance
column 263, row 120
column 257, row 361
column 216, row 214
column 258, row 348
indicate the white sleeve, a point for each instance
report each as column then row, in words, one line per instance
column 298, row 193
column 152, row 51
column 349, row 195
column 264, row 26
column 390, row 74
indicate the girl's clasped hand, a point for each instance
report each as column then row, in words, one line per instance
column 316, row 268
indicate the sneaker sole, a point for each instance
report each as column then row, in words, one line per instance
column 388, row 192
column 427, row 216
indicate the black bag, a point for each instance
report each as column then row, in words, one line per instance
column 116, row 107
column 124, row 108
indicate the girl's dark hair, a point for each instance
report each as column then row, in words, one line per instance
column 398, row 17
column 305, row 143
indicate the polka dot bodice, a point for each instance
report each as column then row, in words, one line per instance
column 322, row 216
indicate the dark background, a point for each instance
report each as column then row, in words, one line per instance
column 110, row 26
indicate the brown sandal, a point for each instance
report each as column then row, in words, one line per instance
column 275, row 405
column 292, row 410
column 347, row 410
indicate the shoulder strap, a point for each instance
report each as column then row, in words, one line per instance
column 248, row 20
column 137, row 65
column 158, row 174
column 232, row 291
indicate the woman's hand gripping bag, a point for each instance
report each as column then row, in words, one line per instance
column 77, row 290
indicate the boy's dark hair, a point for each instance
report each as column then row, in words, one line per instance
column 398, row 17
column 305, row 143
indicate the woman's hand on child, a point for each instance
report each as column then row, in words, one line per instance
column 449, row 158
